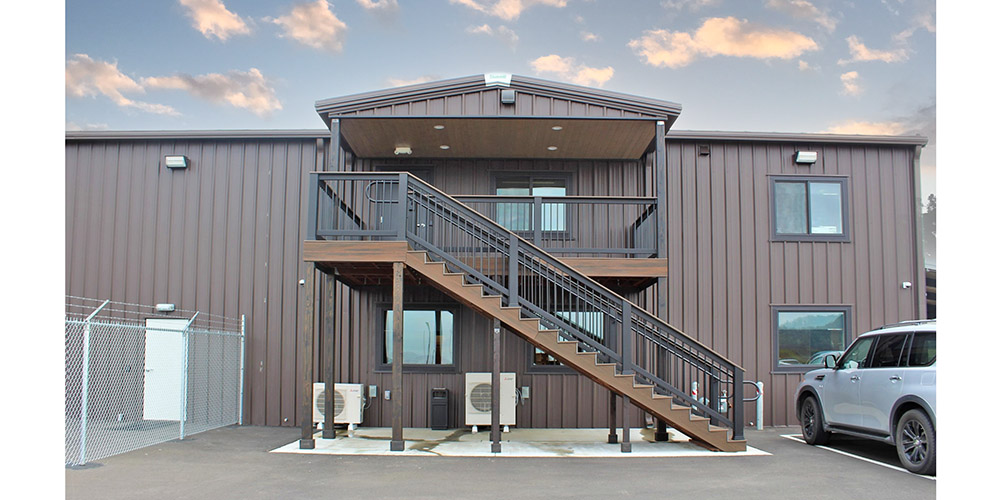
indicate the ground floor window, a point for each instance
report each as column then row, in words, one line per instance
column 804, row 335
column 428, row 336
column 590, row 322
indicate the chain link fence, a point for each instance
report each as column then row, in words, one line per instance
column 136, row 377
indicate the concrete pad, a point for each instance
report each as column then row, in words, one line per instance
column 578, row 443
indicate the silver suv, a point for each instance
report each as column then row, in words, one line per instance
column 883, row 387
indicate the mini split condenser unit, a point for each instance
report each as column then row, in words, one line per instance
column 479, row 399
column 347, row 404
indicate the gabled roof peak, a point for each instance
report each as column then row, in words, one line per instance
column 622, row 104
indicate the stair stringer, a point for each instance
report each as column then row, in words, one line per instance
column 680, row 417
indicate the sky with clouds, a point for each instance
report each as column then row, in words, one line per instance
column 862, row 66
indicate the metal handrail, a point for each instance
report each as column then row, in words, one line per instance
column 500, row 258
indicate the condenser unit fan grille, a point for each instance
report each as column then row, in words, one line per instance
column 338, row 403
column 481, row 397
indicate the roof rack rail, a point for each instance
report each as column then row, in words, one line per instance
column 908, row 322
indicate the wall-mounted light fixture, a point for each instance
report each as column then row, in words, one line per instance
column 704, row 150
column 403, row 150
column 175, row 161
column 508, row 96
column 165, row 308
column 806, row 156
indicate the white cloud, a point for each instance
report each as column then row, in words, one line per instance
column 383, row 9
column 802, row 9
column 314, row 25
column 861, row 127
column 401, row 82
column 507, row 10
column 212, row 18
column 86, row 77
column 861, row 53
column 503, row 33
column 725, row 36
column 804, row 66
column 922, row 121
column 241, row 89
column 568, row 69
column 850, row 83
column 74, row 127
column 588, row 36
column 691, row 5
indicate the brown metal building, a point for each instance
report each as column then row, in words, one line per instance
column 726, row 256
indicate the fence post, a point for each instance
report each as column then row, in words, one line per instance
column 760, row 406
column 738, row 408
column 401, row 210
column 184, row 373
column 512, row 277
column 628, row 361
column 536, row 221
column 85, row 383
column 243, row 350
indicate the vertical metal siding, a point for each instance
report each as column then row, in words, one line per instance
column 222, row 237
column 726, row 273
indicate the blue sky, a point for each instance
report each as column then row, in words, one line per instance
column 863, row 66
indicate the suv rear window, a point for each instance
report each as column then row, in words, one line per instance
column 923, row 351
column 888, row 351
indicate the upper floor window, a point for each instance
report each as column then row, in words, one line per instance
column 520, row 215
column 809, row 208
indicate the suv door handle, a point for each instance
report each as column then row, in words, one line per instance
column 895, row 378
column 855, row 378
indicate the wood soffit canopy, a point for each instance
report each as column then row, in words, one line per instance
column 571, row 138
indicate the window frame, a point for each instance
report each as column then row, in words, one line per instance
column 776, row 309
column 379, row 347
column 498, row 175
column 607, row 334
column 844, row 236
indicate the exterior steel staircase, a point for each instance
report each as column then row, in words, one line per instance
column 552, row 306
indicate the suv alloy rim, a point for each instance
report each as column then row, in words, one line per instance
column 809, row 418
column 914, row 442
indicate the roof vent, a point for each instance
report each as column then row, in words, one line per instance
column 507, row 96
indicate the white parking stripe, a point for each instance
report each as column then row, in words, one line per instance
column 797, row 437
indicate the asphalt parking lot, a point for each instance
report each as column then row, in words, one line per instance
column 234, row 462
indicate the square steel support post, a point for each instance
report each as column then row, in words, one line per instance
column 626, row 442
column 627, row 369
column 396, row 395
column 329, row 285
column 661, row 252
column 495, row 389
column 612, row 415
column 306, row 441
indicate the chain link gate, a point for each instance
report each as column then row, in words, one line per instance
column 136, row 377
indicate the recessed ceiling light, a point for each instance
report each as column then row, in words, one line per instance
column 557, row 128
column 552, row 148
column 445, row 146
column 438, row 127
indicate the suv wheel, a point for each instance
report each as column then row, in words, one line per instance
column 915, row 442
column 812, row 422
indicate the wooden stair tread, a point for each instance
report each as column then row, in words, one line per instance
column 679, row 416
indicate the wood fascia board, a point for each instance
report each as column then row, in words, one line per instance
column 354, row 251
column 618, row 268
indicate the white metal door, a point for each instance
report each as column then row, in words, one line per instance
column 161, row 399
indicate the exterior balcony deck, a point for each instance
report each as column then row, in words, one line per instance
column 611, row 239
